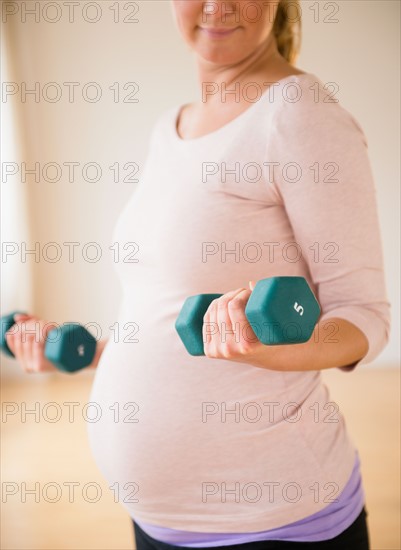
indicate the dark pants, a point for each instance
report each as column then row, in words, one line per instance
column 355, row 537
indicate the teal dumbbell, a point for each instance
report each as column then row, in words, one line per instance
column 69, row 347
column 280, row 310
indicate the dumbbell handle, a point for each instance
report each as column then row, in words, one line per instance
column 70, row 347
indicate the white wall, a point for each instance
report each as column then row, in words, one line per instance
column 13, row 205
column 360, row 53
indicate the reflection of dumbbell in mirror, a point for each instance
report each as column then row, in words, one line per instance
column 280, row 310
column 69, row 347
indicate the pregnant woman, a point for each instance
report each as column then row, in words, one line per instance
column 266, row 175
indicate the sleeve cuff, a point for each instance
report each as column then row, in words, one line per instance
column 374, row 328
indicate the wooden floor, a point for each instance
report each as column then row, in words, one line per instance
column 58, row 453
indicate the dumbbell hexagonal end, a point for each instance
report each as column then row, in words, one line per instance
column 189, row 322
column 282, row 310
column 7, row 321
column 70, row 347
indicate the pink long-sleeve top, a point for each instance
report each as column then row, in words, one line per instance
column 210, row 445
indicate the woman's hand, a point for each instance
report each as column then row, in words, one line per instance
column 227, row 333
column 26, row 339
column 101, row 344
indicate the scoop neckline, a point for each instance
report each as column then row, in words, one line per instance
column 229, row 125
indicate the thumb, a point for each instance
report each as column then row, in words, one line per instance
column 252, row 285
column 21, row 316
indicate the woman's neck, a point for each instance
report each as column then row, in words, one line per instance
column 265, row 63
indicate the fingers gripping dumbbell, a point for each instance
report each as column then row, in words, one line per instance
column 280, row 310
column 69, row 347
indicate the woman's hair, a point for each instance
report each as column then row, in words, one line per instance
column 287, row 29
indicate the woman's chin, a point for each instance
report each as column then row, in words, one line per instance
column 218, row 57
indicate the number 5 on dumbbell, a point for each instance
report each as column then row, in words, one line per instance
column 280, row 310
column 70, row 347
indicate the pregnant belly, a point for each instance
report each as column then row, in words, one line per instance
column 175, row 429
column 160, row 416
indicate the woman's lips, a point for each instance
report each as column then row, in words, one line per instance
column 217, row 33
